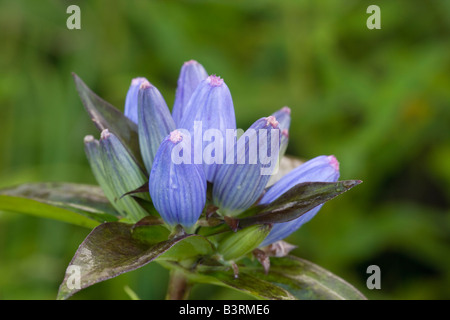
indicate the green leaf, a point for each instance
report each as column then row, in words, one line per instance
column 150, row 230
column 294, row 203
column 106, row 116
column 191, row 247
column 306, row 280
column 289, row 278
column 250, row 284
column 82, row 199
column 110, row 250
column 43, row 210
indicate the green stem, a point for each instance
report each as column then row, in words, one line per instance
column 179, row 287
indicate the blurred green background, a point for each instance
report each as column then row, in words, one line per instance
column 377, row 99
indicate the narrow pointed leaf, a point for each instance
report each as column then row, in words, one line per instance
column 141, row 189
column 147, row 206
column 305, row 280
column 313, row 281
column 251, row 285
column 106, row 116
column 82, row 201
column 289, row 278
column 43, row 210
column 297, row 201
column 108, row 251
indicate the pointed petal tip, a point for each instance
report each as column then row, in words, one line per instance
column 175, row 136
column 334, row 162
column 144, row 85
column 271, row 120
column 137, row 81
column 214, row 81
column 286, row 109
column 105, row 134
column 89, row 138
column 189, row 62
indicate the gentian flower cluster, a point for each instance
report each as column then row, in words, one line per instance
column 196, row 159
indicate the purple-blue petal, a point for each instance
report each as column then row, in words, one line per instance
column 282, row 230
column 239, row 183
column 191, row 74
column 178, row 190
column 283, row 117
column 154, row 122
column 209, row 111
column 319, row 169
column 131, row 101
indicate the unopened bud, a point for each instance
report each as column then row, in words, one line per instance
column 237, row 244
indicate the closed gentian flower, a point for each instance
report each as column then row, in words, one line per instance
column 177, row 189
column 131, row 101
column 240, row 182
column 94, row 156
column 191, row 74
column 319, row 169
column 122, row 175
column 283, row 117
column 208, row 116
column 154, row 122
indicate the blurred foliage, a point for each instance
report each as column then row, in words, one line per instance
column 377, row 99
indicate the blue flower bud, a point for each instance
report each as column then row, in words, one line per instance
column 208, row 116
column 177, row 188
column 283, row 117
column 191, row 74
column 319, row 169
column 131, row 101
column 122, row 175
column 94, row 156
column 154, row 122
column 249, row 164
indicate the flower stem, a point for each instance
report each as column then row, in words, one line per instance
column 179, row 287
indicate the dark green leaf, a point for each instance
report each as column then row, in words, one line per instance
column 86, row 200
column 106, row 116
column 147, row 206
column 150, row 233
column 294, row 203
column 306, row 280
column 251, row 285
column 108, row 251
column 289, row 278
